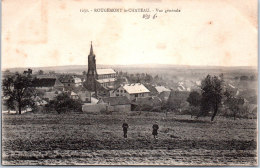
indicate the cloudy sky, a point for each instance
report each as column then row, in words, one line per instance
column 55, row 32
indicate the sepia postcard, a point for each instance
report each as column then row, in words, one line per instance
column 129, row 82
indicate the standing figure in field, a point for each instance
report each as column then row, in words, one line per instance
column 155, row 129
column 125, row 127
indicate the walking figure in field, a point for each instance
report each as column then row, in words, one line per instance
column 125, row 127
column 155, row 129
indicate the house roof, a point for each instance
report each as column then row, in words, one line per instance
column 46, row 82
column 45, row 76
column 164, row 94
column 43, row 82
column 77, row 80
column 151, row 88
column 181, row 88
column 50, row 95
column 116, row 100
column 105, row 71
column 94, row 100
column 73, row 94
column 106, row 80
column 83, row 95
column 70, row 79
column 135, row 88
column 83, row 89
column 65, row 78
column 252, row 108
column 161, row 89
column 58, row 83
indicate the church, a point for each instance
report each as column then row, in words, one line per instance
column 99, row 80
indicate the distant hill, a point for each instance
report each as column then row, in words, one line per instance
column 143, row 68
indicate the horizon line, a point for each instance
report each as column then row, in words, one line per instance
column 147, row 64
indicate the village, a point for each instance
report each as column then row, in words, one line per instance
column 76, row 118
column 107, row 90
column 100, row 90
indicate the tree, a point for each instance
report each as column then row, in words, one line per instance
column 148, row 78
column 252, row 77
column 52, row 72
column 233, row 103
column 137, row 75
column 212, row 93
column 194, row 100
column 40, row 72
column 177, row 101
column 63, row 103
column 7, row 71
column 84, row 73
column 28, row 72
column 138, row 80
column 156, row 78
column 245, row 78
column 18, row 91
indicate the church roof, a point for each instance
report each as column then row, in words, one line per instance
column 105, row 71
column 106, row 80
column 135, row 88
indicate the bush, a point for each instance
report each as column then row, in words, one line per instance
column 63, row 103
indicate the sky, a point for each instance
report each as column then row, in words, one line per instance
column 38, row 33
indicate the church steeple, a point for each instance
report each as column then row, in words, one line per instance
column 91, row 50
column 92, row 72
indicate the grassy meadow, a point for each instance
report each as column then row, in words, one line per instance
column 97, row 139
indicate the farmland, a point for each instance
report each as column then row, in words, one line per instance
column 91, row 139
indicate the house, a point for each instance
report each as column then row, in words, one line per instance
column 77, row 81
column 161, row 89
column 48, row 96
column 163, row 93
column 39, row 101
column 181, row 88
column 131, row 91
column 103, row 91
column 107, row 83
column 70, row 81
column 93, row 100
column 74, row 96
column 94, row 108
column 84, row 95
column 164, row 96
column 151, row 88
column 47, row 84
column 119, row 104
